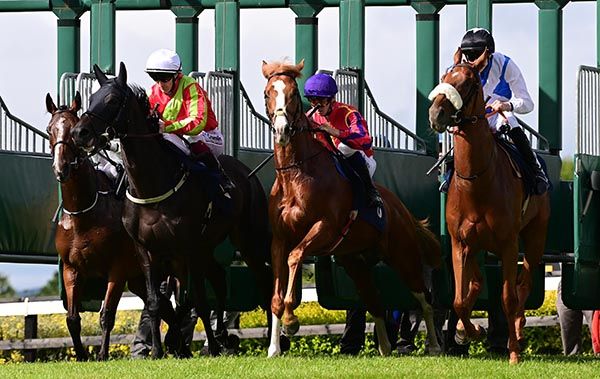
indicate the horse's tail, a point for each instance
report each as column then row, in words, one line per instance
column 430, row 246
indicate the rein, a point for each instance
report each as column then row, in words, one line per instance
column 299, row 163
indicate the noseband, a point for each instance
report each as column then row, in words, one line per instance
column 457, row 100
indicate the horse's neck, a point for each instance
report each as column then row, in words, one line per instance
column 79, row 191
column 302, row 146
column 474, row 150
column 149, row 167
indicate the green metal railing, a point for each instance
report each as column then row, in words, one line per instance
column 18, row 136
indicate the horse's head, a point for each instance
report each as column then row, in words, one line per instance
column 282, row 99
column 64, row 153
column 105, row 117
column 455, row 101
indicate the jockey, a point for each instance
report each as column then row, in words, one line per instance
column 347, row 128
column 185, row 110
column 504, row 86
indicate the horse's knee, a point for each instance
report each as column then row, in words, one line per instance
column 107, row 319
column 277, row 306
column 74, row 323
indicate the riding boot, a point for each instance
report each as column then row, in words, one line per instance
column 213, row 164
column 522, row 143
column 360, row 167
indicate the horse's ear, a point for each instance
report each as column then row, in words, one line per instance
column 480, row 62
column 122, row 78
column 264, row 69
column 100, row 75
column 50, row 106
column 76, row 103
column 457, row 56
column 300, row 65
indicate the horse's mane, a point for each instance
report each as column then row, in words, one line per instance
column 281, row 67
column 140, row 95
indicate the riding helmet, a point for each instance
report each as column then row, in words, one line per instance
column 163, row 60
column 320, row 85
column 475, row 41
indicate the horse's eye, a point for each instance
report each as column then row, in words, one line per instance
column 111, row 100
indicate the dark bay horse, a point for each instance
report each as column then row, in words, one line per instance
column 486, row 207
column 90, row 237
column 170, row 212
column 310, row 206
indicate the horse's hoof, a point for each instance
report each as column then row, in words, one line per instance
column 433, row 351
column 284, row 343
column 274, row 351
column 481, row 333
column 158, row 353
column 514, row 358
column 461, row 338
column 522, row 343
column 291, row 326
column 385, row 349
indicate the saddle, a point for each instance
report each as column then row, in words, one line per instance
column 210, row 176
column 520, row 168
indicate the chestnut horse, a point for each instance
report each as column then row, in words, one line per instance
column 170, row 212
column 310, row 205
column 90, row 237
column 486, row 207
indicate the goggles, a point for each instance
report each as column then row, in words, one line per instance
column 161, row 76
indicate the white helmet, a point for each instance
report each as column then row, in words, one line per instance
column 163, row 60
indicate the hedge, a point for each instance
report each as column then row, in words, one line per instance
column 541, row 340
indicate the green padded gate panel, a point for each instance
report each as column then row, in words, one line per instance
column 582, row 279
column 28, row 200
column 560, row 227
column 404, row 174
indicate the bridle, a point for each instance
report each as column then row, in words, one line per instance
column 461, row 120
column 459, row 117
column 77, row 154
column 282, row 111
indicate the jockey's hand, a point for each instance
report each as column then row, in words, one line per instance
column 326, row 127
column 500, row 106
column 161, row 126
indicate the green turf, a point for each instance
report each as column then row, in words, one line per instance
column 545, row 367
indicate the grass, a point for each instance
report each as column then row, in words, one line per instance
column 546, row 367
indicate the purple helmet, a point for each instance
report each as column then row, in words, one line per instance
column 320, row 85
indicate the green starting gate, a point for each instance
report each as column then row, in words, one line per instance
column 581, row 278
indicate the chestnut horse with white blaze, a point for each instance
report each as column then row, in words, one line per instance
column 487, row 207
column 309, row 207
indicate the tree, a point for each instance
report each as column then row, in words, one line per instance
column 51, row 287
column 6, row 290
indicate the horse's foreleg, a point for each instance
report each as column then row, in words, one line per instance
column 203, row 312
column 152, row 279
column 361, row 275
column 73, row 292
column 434, row 346
column 113, row 294
column 534, row 240
column 467, row 281
column 216, row 276
column 280, row 277
column 316, row 240
column 509, row 298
